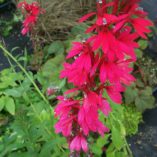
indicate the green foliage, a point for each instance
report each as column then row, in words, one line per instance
column 122, row 121
column 143, row 44
column 142, row 98
column 27, row 122
column 139, row 94
column 8, row 81
column 99, row 144
column 2, row 1
column 56, row 47
column 30, row 129
column 132, row 118
column 6, row 26
column 49, row 73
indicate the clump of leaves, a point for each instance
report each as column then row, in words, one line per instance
column 139, row 94
column 123, row 121
column 30, row 129
column 6, row 26
column 2, row 1
column 149, row 70
column 141, row 97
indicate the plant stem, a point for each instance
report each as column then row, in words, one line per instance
column 128, row 149
column 25, row 72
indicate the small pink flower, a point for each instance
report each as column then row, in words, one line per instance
column 104, row 106
column 50, row 91
column 65, row 105
column 64, row 125
column 79, row 71
column 79, row 143
column 114, row 91
column 88, row 117
column 65, row 110
column 118, row 71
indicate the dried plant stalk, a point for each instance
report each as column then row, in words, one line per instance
column 60, row 16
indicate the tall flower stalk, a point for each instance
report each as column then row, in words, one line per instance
column 31, row 13
column 101, row 63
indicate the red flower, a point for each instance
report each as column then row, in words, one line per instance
column 118, row 71
column 64, row 125
column 31, row 12
column 66, row 112
column 79, row 71
column 100, row 64
column 141, row 26
column 114, row 91
column 88, row 114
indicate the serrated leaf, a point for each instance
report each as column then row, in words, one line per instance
column 139, row 53
column 144, row 102
column 147, row 91
column 49, row 73
column 143, row 44
column 101, row 141
column 130, row 94
column 56, row 47
column 78, row 29
column 117, row 138
column 13, row 92
column 139, row 83
column 10, row 105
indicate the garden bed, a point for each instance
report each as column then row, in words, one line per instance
column 15, row 42
column 143, row 144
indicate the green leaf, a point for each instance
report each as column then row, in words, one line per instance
column 49, row 73
column 56, row 47
column 2, row 102
column 139, row 53
column 143, row 44
column 120, row 154
column 117, row 138
column 78, row 29
column 139, row 83
column 130, row 94
column 132, row 118
column 10, row 105
column 13, row 92
column 97, row 147
column 145, row 100
column 111, row 154
column 110, row 151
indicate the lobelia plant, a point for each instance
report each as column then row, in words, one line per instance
column 31, row 13
column 97, row 65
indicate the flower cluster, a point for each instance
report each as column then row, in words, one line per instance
column 101, row 63
column 31, row 12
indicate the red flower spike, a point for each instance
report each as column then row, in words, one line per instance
column 31, row 13
column 100, row 64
